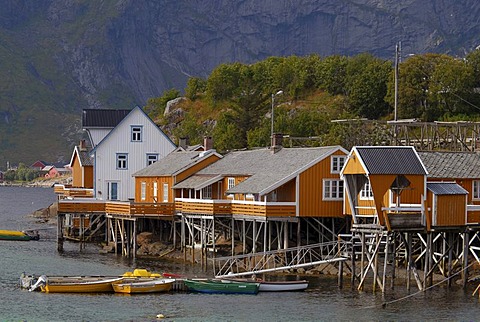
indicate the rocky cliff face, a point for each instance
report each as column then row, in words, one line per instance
column 59, row 56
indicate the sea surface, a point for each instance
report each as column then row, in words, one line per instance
column 322, row 301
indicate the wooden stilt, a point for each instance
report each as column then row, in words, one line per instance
column 340, row 274
column 385, row 262
column 394, row 260
column 466, row 243
column 408, row 248
column 60, row 231
column 352, row 282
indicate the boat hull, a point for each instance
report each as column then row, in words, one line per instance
column 221, row 287
column 274, row 286
column 154, row 286
column 69, row 285
column 14, row 235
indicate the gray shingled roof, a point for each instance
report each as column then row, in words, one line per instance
column 198, row 181
column 446, row 188
column 454, row 165
column 266, row 170
column 173, row 163
column 391, row 160
column 85, row 158
column 102, row 117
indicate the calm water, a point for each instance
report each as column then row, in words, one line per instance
column 321, row 302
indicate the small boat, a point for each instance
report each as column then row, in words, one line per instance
column 17, row 235
column 273, row 286
column 83, row 285
column 139, row 286
column 221, row 286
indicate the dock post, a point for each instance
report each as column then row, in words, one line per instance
column 340, row 274
column 353, row 263
column 466, row 242
column 60, row 239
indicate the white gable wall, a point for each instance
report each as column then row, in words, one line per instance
column 154, row 141
column 96, row 135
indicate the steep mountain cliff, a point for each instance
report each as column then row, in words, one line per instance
column 59, row 56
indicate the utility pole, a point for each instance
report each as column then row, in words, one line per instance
column 397, row 63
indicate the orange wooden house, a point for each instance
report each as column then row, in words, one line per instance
column 268, row 183
column 388, row 186
column 462, row 168
column 154, row 183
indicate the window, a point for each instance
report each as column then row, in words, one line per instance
column 136, row 134
column 122, row 161
column 337, row 162
column 165, row 192
column 366, row 193
column 207, row 192
column 332, row 189
column 151, row 158
column 476, row 189
column 155, row 192
column 231, row 183
column 113, row 191
column 143, row 191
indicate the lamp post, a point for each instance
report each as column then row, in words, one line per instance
column 273, row 105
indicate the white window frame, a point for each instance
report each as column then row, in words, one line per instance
column 165, row 192
column 155, row 191
column 336, row 163
column 136, row 133
column 151, row 158
column 476, row 190
column 143, row 191
column 207, row 192
column 231, row 183
column 333, row 189
column 122, row 161
column 366, row 193
column 110, row 185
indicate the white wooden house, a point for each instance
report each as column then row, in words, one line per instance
column 133, row 144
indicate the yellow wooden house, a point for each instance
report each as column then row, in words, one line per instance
column 268, row 183
column 387, row 186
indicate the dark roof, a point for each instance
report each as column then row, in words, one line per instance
column 391, row 160
column 446, row 188
column 102, row 117
column 451, row 165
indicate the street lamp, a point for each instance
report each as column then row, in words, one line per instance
column 273, row 105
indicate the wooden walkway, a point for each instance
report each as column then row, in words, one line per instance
column 283, row 259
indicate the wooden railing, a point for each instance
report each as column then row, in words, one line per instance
column 115, row 208
column 86, row 205
column 235, row 207
column 268, row 209
column 203, row 206
column 69, row 191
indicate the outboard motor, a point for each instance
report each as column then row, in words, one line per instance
column 42, row 280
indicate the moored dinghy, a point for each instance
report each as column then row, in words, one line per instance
column 273, row 286
column 76, row 284
column 213, row 286
column 139, row 286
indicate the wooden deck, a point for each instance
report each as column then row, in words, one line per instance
column 69, row 191
column 235, row 207
column 130, row 209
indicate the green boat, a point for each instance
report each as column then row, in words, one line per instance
column 16, row 235
column 221, row 287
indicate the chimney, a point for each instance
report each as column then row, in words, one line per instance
column 183, row 143
column 277, row 139
column 207, row 143
column 83, row 145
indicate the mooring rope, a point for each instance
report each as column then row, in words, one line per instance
column 384, row 304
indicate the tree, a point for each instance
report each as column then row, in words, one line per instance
column 332, row 74
column 156, row 106
column 195, row 86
